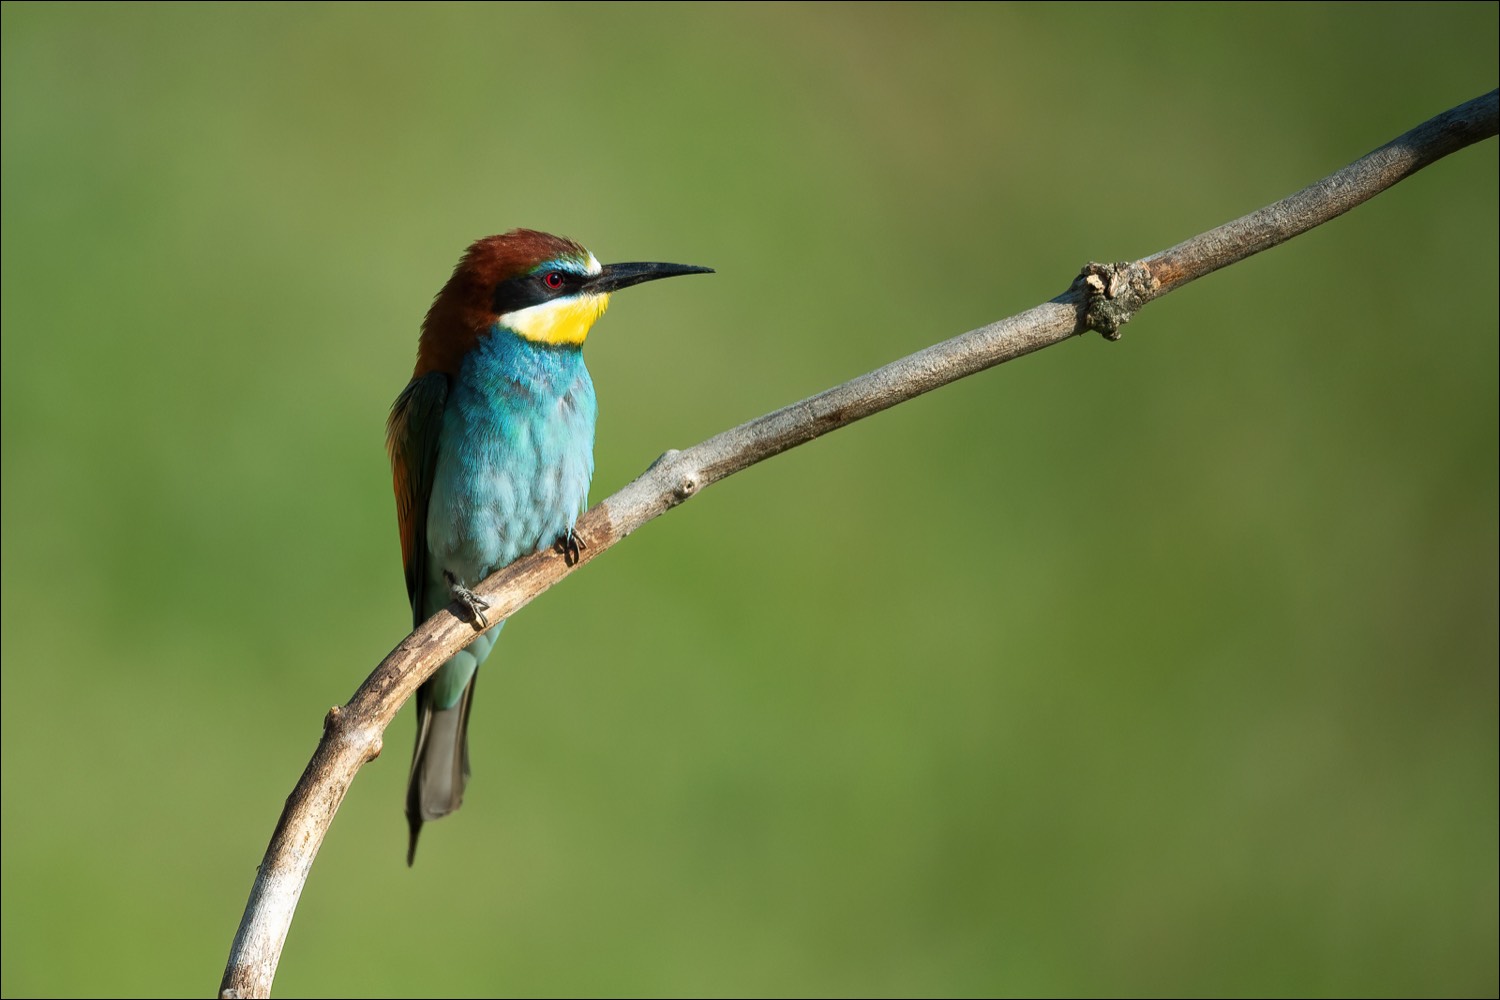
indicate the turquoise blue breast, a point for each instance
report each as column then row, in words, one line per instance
column 514, row 462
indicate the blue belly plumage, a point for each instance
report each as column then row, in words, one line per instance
column 515, row 457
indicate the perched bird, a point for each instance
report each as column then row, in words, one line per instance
column 492, row 450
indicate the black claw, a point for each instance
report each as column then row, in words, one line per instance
column 570, row 545
column 472, row 602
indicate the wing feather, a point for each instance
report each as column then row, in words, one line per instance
column 411, row 438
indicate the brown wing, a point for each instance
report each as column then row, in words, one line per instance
column 411, row 437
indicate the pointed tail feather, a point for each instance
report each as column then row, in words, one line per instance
column 440, row 763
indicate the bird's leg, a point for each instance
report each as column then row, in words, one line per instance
column 472, row 602
column 570, row 544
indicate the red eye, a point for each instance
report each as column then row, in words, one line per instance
column 554, row 280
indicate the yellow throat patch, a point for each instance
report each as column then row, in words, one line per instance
column 561, row 321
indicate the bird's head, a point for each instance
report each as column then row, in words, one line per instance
column 545, row 288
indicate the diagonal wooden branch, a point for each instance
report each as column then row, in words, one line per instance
column 1103, row 297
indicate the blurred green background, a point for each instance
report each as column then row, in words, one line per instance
column 1160, row 667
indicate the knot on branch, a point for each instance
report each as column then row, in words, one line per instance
column 685, row 484
column 343, row 725
column 682, row 480
column 1113, row 293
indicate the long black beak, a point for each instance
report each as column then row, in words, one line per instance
column 617, row 276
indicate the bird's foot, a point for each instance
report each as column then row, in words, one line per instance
column 570, row 545
column 472, row 602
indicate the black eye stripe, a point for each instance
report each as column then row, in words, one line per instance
column 531, row 289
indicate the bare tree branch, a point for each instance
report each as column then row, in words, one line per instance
column 1103, row 297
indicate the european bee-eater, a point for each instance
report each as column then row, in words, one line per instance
column 492, row 448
